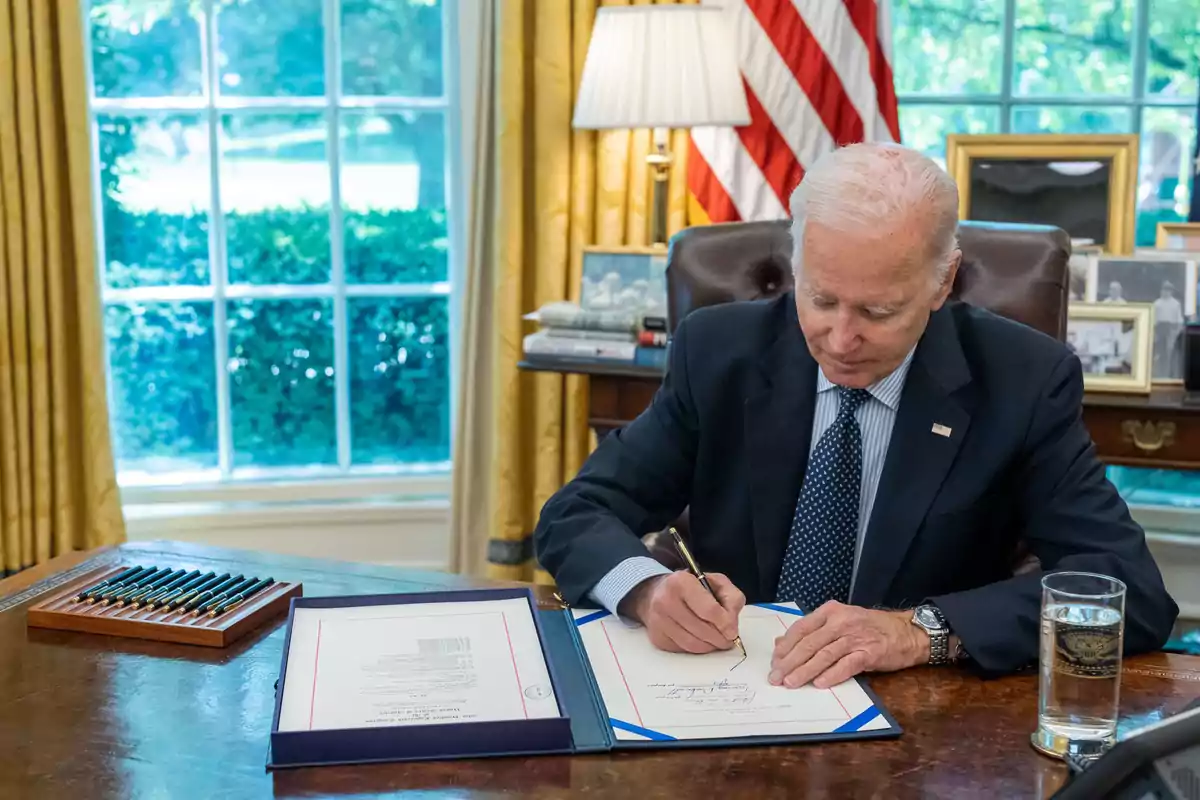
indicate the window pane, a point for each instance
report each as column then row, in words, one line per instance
column 1164, row 171
column 281, row 382
column 163, row 404
column 142, row 49
column 924, row 127
column 271, row 48
column 1173, row 58
column 394, row 195
column 948, row 47
column 1068, row 47
column 155, row 185
column 1071, row 119
column 392, row 47
column 399, row 380
column 275, row 197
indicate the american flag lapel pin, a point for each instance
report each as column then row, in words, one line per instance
column 942, row 430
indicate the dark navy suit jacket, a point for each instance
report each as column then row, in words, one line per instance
column 728, row 435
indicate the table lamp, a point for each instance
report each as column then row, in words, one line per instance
column 661, row 67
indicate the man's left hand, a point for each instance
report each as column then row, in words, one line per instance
column 837, row 642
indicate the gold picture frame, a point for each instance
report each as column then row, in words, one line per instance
column 1089, row 341
column 1116, row 153
column 1188, row 231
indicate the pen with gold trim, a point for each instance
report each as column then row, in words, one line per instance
column 163, row 596
column 235, row 600
column 152, row 599
column 195, row 605
column 220, row 597
column 187, row 595
column 121, row 577
column 695, row 570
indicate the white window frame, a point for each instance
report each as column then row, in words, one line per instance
column 1005, row 100
column 415, row 481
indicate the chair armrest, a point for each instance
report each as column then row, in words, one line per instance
column 662, row 550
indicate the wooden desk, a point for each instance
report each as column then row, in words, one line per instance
column 1156, row 430
column 101, row 717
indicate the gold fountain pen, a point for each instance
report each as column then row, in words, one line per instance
column 695, row 569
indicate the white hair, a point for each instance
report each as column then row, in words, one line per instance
column 868, row 186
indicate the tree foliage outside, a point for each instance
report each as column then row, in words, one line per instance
column 274, row 181
column 1062, row 50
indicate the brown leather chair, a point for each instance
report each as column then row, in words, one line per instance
column 1017, row 271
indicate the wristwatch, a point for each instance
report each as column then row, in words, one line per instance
column 934, row 623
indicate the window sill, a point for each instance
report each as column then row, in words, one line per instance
column 421, row 487
column 401, row 521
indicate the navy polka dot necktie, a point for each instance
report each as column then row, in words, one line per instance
column 819, row 560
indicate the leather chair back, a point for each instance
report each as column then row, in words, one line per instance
column 1017, row 271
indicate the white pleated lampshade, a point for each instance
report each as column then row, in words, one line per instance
column 661, row 67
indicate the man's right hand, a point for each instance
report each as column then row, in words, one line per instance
column 681, row 616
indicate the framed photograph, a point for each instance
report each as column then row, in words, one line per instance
column 1082, row 267
column 1082, row 183
column 1113, row 345
column 624, row 279
column 1178, row 236
column 1167, row 284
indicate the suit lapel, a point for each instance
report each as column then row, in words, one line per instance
column 918, row 458
column 778, row 429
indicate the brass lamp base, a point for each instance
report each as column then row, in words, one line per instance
column 660, row 164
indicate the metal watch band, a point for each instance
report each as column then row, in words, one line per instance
column 939, row 637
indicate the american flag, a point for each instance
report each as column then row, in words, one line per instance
column 817, row 75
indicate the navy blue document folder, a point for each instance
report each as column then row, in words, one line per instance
column 581, row 723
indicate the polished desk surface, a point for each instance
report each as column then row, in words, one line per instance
column 86, row 716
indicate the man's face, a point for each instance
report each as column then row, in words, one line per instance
column 864, row 301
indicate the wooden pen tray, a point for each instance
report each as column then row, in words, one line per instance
column 62, row 612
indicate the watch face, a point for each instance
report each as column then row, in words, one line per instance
column 928, row 618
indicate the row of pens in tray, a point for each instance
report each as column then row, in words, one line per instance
column 191, row 593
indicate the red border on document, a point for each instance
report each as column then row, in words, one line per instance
column 513, row 654
column 636, row 711
column 312, row 700
column 613, row 650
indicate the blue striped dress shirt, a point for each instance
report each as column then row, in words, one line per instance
column 875, row 418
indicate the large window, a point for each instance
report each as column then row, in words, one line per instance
column 1065, row 66
column 1057, row 66
column 272, row 184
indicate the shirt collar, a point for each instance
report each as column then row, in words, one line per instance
column 886, row 390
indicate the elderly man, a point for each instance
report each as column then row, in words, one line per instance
column 860, row 446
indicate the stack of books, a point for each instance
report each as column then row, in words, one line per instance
column 568, row 334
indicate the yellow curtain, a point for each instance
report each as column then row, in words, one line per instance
column 58, row 490
column 556, row 190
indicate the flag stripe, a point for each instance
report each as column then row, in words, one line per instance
column 791, row 36
column 866, row 18
column 731, row 164
column 770, row 152
column 708, row 191
column 784, row 101
column 817, row 74
column 847, row 52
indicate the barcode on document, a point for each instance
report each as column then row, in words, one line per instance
column 444, row 647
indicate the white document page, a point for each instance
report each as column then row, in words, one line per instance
column 414, row 664
column 651, row 694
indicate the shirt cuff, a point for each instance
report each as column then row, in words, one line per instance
column 610, row 590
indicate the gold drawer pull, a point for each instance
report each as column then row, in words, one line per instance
column 1149, row 436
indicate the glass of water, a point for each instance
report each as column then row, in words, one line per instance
column 1082, row 636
